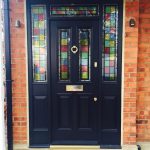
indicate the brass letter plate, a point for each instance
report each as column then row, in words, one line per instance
column 74, row 88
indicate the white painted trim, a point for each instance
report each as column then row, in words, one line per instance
column 2, row 121
column 27, row 83
column 123, row 61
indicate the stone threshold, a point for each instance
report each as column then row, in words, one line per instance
column 72, row 147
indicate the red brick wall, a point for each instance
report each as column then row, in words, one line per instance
column 143, row 101
column 18, row 72
column 130, row 72
column 132, row 61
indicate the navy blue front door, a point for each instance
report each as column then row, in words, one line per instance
column 74, row 82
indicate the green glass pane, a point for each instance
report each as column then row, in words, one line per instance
column 84, row 55
column 84, row 75
column 64, row 54
column 41, row 10
column 84, row 42
column 108, row 9
column 64, row 75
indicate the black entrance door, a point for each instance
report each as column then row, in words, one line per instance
column 74, row 72
column 74, row 82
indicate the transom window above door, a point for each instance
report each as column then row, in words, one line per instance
column 74, row 10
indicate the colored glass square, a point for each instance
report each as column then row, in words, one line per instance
column 112, row 50
column 84, row 75
column 64, row 35
column 42, row 43
column 42, row 50
column 43, row 64
column 36, row 31
column 36, row 24
column 64, row 54
column 43, row 77
column 35, row 10
column 107, row 43
column 112, row 43
column 64, row 75
column 84, row 62
column 107, row 30
column 107, row 50
column 41, row 10
column 108, row 9
column 84, row 42
column 107, row 36
column 84, row 69
column 36, row 51
column 113, row 9
column 112, row 58
column 64, row 48
column 112, row 63
column 112, row 70
column 41, row 17
column 107, row 23
column 64, row 68
column 106, row 56
column 84, row 55
column 36, row 57
column 113, row 30
column 113, row 23
column 106, row 63
column 107, row 17
column 42, row 70
column 64, row 42
column 42, row 31
column 42, row 37
column 107, row 70
column 36, row 76
column 84, row 35
column 64, row 61
column 41, row 24
column 84, row 48
column 43, row 57
column 36, row 43
column 113, row 36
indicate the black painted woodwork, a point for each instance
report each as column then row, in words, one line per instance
column 60, row 117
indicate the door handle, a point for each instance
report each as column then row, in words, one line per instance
column 95, row 99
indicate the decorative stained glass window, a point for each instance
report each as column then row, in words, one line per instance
column 91, row 10
column 85, row 53
column 39, row 45
column 110, row 32
column 64, row 54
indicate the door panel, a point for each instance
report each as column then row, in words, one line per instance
column 74, row 111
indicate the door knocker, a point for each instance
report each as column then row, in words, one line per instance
column 74, row 49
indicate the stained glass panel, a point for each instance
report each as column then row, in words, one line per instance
column 64, row 54
column 39, row 45
column 91, row 10
column 110, row 32
column 85, row 53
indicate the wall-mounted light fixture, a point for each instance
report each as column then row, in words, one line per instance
column 17, row 24
column 132, row 22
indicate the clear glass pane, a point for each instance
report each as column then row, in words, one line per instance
column 91, row 10
column 85, row 53
column 64, row 54
column 110, row 32
column 39, row 45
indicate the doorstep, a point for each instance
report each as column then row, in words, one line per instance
column 72, row 147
